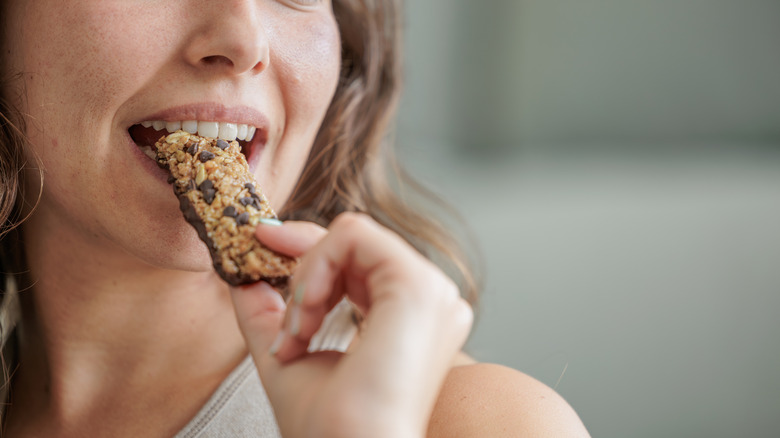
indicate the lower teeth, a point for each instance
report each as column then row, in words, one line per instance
column 149, row 152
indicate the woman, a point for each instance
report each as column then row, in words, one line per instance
column 123, row 329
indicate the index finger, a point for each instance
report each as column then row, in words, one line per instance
column 292, row 238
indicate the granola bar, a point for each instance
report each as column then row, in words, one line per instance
column 219, row 197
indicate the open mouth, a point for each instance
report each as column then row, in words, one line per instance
column 147, row 133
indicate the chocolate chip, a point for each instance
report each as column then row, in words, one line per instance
column 171, row 179
column 206, row 185
column 222, row 144
column 208, row 196
column 251, row 188
column 230, row 211
column 254, row 202
column 209, row 192
column 193, row 149
column 205, row 156
column 243, row 218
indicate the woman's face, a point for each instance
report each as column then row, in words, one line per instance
column 94, row 70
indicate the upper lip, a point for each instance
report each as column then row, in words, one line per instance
column 213, row 112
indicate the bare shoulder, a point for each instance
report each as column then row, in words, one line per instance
column 479, row 400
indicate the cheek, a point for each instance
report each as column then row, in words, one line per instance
column 82, row 57
column 309, row 60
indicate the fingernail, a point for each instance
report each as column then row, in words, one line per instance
column 277, row 343
column 299, row 291
column 270, row 221
column 295, row 320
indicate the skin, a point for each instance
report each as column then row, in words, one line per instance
column 125, row 300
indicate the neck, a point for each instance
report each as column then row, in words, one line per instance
column 99, row 322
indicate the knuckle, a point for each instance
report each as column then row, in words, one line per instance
column 447, row 288
column 350, row 220
column 439, row 289
column 464, row 314
column 458, row 309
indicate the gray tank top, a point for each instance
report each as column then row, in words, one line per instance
column 238, row 408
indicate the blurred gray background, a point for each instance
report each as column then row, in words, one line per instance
column 619, row 164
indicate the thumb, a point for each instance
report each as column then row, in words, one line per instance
column 260, row 313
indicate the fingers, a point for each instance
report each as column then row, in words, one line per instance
column 375, row 268
column 291, row 237
column 408, row 297
column 415, row 322
column 335, row 266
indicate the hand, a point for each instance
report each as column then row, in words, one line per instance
column 415, row 323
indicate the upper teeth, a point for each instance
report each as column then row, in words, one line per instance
column 224, row 130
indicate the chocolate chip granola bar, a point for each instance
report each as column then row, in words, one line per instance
column 220, row 199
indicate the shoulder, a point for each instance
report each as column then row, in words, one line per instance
column 480, row 400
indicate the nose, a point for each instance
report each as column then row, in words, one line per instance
column 228, row 37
